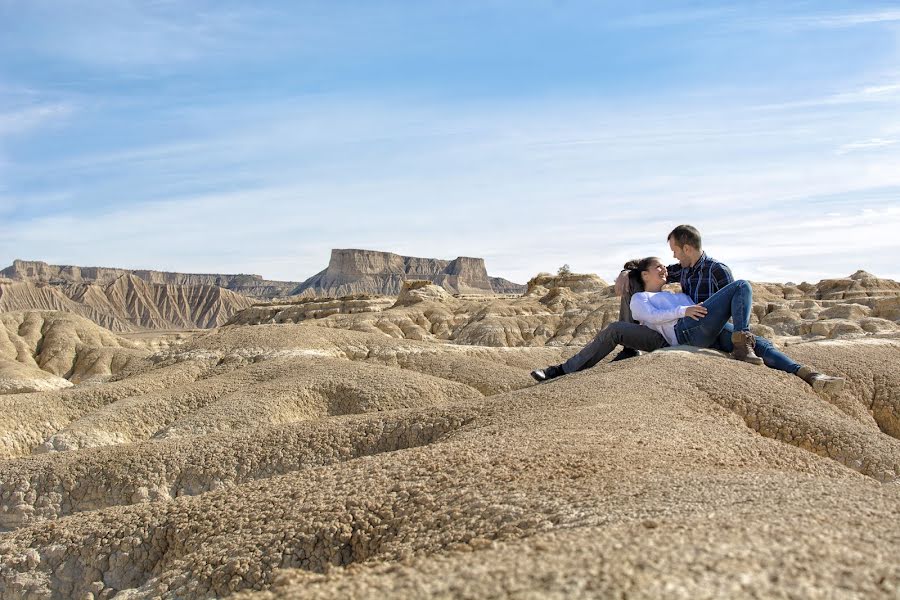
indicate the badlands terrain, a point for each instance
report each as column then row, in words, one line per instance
column 370, row 445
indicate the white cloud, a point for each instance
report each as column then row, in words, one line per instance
column 853, row 19
column 528, row 187
column 32, row 117
column 126, row 33
column 869, row 144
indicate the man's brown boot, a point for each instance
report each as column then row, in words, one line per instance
column 821, row 382
column 743, row 342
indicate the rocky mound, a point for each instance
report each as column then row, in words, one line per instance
column 383, row 273
column 569, row 309
column 41, row 350
column 299, row 461
column 295, row 310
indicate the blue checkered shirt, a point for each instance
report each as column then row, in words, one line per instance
column 702, row 280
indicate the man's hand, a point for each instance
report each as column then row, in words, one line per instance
column 696, row 312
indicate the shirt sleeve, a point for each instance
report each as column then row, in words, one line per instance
column 674, row 275
column 722, row 275
column 643, row 311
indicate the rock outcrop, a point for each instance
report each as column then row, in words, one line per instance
column 128, row 303
column 41, row 350
column 383, row 273
column 294, row 461
column 36, row 271
column 569, row 309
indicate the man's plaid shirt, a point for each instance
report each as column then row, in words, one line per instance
column 701, row 281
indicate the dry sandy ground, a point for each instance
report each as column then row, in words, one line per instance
column 308, row 462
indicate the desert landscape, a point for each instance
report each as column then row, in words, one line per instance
column 374, row 432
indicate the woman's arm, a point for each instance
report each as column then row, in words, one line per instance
column 643, row 311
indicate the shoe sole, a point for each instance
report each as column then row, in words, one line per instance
column 751, row 361
column 828, row 386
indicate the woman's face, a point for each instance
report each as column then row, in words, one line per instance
column 655, row 275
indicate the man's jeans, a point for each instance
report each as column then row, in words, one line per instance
column 735, row 300
column 630, row 335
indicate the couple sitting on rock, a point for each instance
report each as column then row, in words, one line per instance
column 698, row 316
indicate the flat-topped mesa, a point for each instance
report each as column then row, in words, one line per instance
column 37, row 271
column 352, row 271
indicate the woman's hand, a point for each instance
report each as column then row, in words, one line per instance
column 696, row 312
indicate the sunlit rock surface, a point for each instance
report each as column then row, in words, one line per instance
column 405, row 452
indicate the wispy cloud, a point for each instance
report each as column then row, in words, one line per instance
column 26, row 119
column 870, row 94
column 852, row 19
column 123, row 33
column 869, row 144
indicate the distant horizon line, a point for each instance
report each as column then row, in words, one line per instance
column 263, row 278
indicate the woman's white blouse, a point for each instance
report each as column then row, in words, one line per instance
column 660, row 311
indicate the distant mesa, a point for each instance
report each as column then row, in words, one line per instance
column 134, row 299
column 353, row 271
column 37, row 271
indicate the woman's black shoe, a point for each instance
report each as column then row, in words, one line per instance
column 542, row 375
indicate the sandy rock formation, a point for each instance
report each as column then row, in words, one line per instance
column 295, row 310
column 248, row 285
column 128, row 303
column 18, row 378
column 417, row 291
column 55, row 349
column 370, row 272
column 569, row 309
column 678, row 473
column 340, row 457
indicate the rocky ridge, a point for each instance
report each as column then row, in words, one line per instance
column 127, row 303
column 569, row 309
column 352, row 271
column 36, row 271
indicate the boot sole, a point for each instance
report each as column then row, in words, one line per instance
column 752, row 361
column 832, row 386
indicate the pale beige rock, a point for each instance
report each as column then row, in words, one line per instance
column 301, row 460
column 353, row 271
column 248, row 285
column 62, row 345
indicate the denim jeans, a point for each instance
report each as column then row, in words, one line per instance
column 735, row 300
column 630, row 335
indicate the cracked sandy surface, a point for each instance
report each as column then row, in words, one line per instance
column 292, row 460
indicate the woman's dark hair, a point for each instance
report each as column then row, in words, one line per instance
column 636, row 284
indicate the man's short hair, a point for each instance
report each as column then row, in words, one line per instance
column 685, row 235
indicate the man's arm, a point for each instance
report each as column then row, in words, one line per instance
column 674, row 275
column 721, row 274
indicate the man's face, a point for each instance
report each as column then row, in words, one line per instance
column 679, row 253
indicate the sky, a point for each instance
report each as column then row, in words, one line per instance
column 254, row 137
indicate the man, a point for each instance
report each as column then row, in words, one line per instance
column 700, row 276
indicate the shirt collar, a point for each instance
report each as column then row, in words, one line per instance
column 700, row 261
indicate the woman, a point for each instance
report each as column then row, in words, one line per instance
column 680, row 321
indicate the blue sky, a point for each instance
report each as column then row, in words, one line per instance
column 254, row 137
